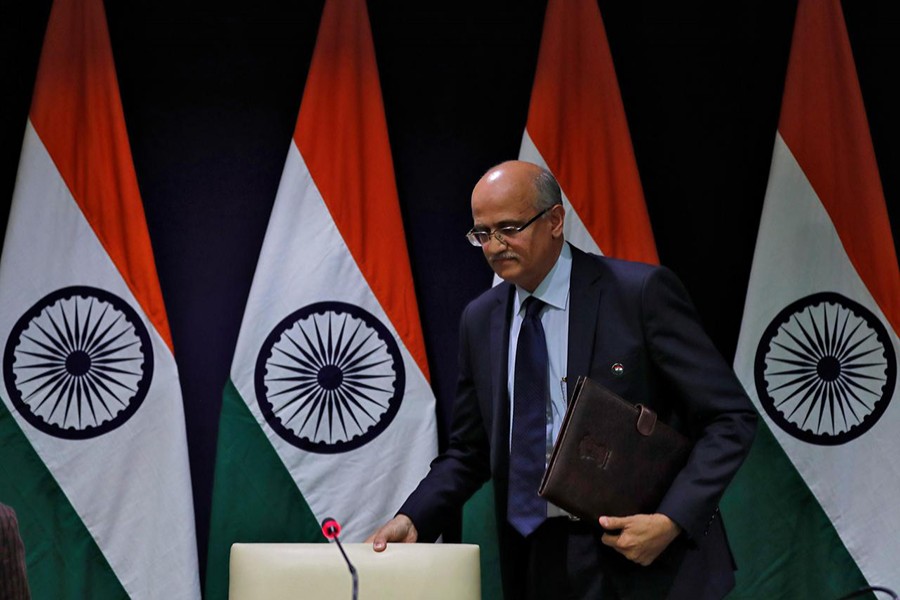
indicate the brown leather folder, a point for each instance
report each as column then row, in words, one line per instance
column 611, row 457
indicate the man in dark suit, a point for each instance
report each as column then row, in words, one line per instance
column 630, row 327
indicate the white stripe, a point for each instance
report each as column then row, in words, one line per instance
column 799, row 253
column 574, row 229
column 304, row 259
column 131, row 486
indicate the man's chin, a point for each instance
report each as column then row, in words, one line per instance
column 505, row 270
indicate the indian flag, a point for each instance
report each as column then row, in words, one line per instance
column 577, row 130
column 93, row 453
column 329, row 412
column 814, row 513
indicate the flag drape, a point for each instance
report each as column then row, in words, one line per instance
column 329, row 412
column 813, row 513
column 93, row 454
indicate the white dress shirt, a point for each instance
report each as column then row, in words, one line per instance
column 554, row 292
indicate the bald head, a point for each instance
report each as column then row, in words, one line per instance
column 515, row 194
column 516, row 172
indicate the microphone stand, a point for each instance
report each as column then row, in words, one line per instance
column 331, row 529
column 351, row 567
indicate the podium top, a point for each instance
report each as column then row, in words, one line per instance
column 314, row 571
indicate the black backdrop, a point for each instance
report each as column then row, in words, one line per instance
column 211, row 93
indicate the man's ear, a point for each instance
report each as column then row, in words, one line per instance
column 557, row 218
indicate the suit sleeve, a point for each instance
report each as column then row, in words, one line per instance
column 465, row 465
column 719, row 415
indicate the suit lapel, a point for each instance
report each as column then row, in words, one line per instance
column 584, row 296
column 499, row 340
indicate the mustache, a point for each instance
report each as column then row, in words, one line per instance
column 505, row 255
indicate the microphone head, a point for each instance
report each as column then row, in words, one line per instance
column 330, row 528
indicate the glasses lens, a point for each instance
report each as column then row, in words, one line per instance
column 478, row 238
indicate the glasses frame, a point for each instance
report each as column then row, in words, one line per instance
column 501, row 233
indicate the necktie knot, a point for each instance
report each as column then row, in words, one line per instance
column 533, row 306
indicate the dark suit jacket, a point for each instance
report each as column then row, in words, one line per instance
column 620, row 312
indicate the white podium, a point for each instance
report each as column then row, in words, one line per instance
column 318, row 571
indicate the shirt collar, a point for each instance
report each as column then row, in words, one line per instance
column 554, row 289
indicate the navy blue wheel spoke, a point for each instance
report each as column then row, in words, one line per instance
column 300, row 366
column 844, row 337
column 100, row 348
column 356, row 376
column 354, row 400
column 54, row 350
column 810, row 346
column 69, row 337
column 803, row 371
column 101, row 340
column 307, row 377
column 851, row 393
column 115, row 350
column 348, row 400
column 89, row 381
column 113, row 380
column 310, row 349
column 60, row 336
column 311, row 361
column 302, row 388
column 359, row 360
column 826, row 334
column 48, row 373
column 54, row 340
column 819, row 344
column 362, row 368
column 97, row 381
column 802, row 382
column 847, row 396
column 859, row 355
column 338, row 409
column 796, row 363
column 320, row 344
column 308, row 400
column 92, row 337
column 54, row 362
column 55, row 382
column 849, row 345
column 806, row 355
column 359, row 387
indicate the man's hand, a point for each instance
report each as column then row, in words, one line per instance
column 642, row 538
column 398, row 529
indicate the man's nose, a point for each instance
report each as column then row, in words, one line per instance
column 495, row 235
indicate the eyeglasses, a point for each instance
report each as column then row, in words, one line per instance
column 480, row 237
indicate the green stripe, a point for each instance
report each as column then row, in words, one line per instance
column 63, row 561
column 480, row 527
column 255, row 498
column 784, row 543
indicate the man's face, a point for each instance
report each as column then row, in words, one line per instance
column 506, row 196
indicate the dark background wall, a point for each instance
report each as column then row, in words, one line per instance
column 211, row 94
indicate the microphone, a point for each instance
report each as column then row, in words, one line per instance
column 331, row 529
